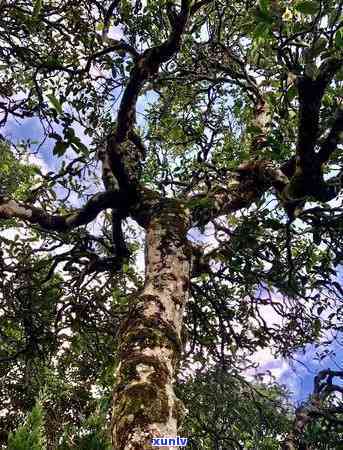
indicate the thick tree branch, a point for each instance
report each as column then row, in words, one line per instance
column 261, row 122
column 252, row 179
column 310, row 96
column 334, row 137
column 125, row 162
column 11, row 209
column 309, row 163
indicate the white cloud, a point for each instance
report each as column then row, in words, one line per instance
column 38, row 161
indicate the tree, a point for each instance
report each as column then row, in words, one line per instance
column 242, row 129
column 227, row 412
column 30, row 436
column 318, row 421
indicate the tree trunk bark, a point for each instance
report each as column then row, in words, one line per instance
column 144, row 403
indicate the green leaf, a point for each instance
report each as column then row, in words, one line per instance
column 328, row 100
column 292, row 93
column 319, row 46
column 37, row 7
column 100, row 26
column 79, row 146
column 307, row 7
column 339, row 38
column 273, row 224
column 339, row 75
column 69, row 133
column 55, row 103
column 60, row 148
column 317, row 326
column 253, row 129
column 200, row 202
column 36, row 170
column 261, row 30
column 264, row 5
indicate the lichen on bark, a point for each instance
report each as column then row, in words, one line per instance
column 150, row 345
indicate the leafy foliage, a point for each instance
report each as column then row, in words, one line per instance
column 16, row 178
column 227, row 412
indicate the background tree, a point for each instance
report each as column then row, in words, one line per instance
column 240, row 137
column 318, row 421
column 227, row 412
column 31, row 434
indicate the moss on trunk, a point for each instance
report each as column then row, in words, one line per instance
column 144, row 403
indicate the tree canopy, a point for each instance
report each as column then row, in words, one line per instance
column 176, row 208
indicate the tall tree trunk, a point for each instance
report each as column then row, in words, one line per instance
column 145, row 406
